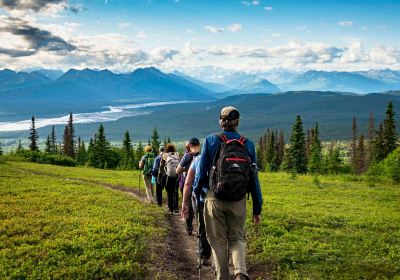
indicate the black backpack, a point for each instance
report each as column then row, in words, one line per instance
column 230, row 172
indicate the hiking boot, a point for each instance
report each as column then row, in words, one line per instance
column 241, row 276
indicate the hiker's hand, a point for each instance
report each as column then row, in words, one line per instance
column 256, row 219
column 185, row 210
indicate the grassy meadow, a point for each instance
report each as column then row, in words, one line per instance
column 336, row 227
column 55, row 228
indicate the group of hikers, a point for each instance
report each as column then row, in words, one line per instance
column 214, row 181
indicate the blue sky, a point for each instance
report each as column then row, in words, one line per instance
column 170, row 34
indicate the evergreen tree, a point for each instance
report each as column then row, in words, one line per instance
column 389, row 130
column 81, row 152
column 260, row 154
column 371, row 135
column 1, row 150
column 20, row 149
column 378, row 145
column 270, row 148
column 155, row 143
column 334, row 160
column 101, row 148
column 360, row 157
column 127, row 151
column 315, row 160
column 281, row 148
column 139, row 151
column 48, row 144
column 53, row 139
column 69, row 142
column 296, row 158
column 353, row 143
column 33, row 136
column 169, row 140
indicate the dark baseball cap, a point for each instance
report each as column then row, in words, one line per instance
column 194, row 141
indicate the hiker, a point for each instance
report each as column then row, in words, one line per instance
column 226, row 172
column 170, row 161
column 146, row 163
column 181, row 171
column 193, row 150
column 159, row 175
column 187, row 203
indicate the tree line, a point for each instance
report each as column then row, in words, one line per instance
column 97, row 153
column 305, row 152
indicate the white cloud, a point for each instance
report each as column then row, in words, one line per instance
column 235, row 27
column 124, row 25
column 214, row 29
column 268, row 8
column 255, row 2
column 345, row 23
column 251, row 3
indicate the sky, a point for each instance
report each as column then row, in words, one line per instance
column 257, row 35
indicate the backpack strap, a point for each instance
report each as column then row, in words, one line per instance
column 223, row 137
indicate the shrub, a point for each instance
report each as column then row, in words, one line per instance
column 388, row 168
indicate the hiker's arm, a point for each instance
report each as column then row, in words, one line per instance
column 187, row 192
column 204, row 166
column 179, row 170
column 256, row 194
column 156, row 166
column 141, row 163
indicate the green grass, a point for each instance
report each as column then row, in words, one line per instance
column 341, row 229
column 129, row 179
column 52, row 228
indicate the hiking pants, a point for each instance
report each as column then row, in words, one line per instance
column 189, row 220
column 159, row 189
column 149, row 187
column 172, row 193
column 205, row 249
column 225, row 221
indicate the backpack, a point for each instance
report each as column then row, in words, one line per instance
column 230, row 171
column 171, row 163
column 148, row 164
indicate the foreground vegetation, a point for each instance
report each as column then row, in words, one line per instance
column 339, row 227
column 53, row 228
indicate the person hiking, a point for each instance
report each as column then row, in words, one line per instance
column 182, row 172
column 146, row 163
column 193, row 146
column 226, row 172
column 187, row 203
column 170, row 161
column 159, row 175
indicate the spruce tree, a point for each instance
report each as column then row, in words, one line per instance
column 48, row 145
column 155, row 143
column 389, row 130
column 353, row 142
column 101, row 148
column 360, row 157
column 334, row 160
column 127, row 151
column 53, row 139
column 297, row 160
column 281, row 148
column 260, row 153
column 33, row 136
column 81, row 152
column 315, row 159
column 1, row 150
column 20, row 149
column 378, row 146
column 69, row 142
column 270, row 149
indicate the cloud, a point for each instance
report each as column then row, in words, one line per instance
column 235, row 27
column 268, row 8
column 34, row 5
column 214, row 29
column 251, row 3
column 124, row 25
column 345, row 23
column 160, row 55
column 35, row 39
column 15, row 52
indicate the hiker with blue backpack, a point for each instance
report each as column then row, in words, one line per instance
column 193, row 150
column 146, row 163
column 169, row 162
column 227, row 171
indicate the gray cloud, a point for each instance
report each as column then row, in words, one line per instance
column 35, row 5
column 15, row 53
column 38, row 39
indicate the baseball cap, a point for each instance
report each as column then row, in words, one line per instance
column 194, row 141
column 229, row 113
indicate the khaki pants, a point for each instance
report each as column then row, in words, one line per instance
column 149, row 188
column 225, row 221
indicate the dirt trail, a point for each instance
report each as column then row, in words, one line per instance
column 180, row 253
